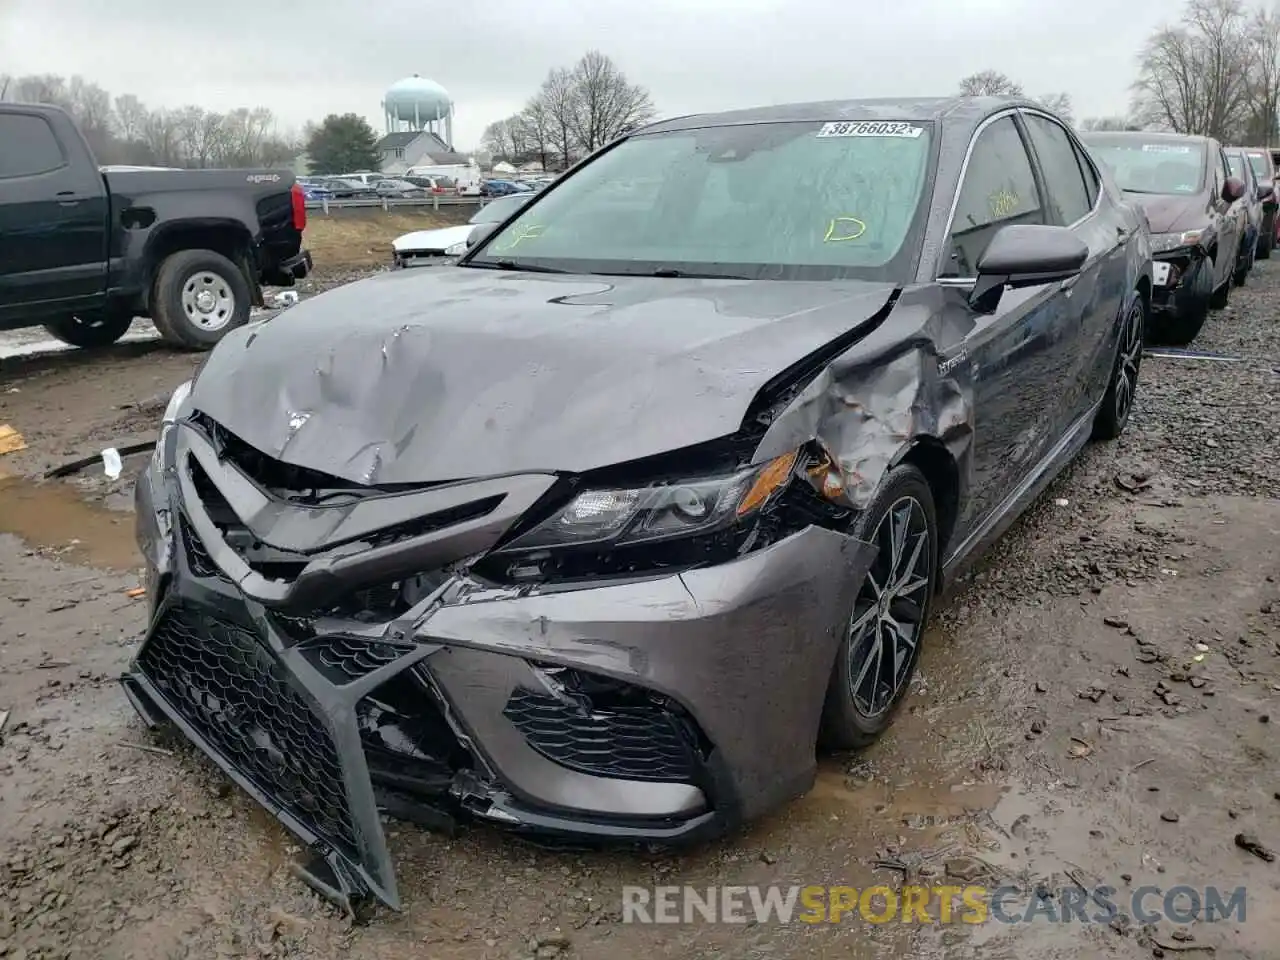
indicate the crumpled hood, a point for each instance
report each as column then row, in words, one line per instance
column 457, row 373
column 432, row 240
column 1170, row 214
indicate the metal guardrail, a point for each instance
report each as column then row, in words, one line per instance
column 435, row 202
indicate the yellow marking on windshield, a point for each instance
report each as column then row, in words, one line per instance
column 1003, row 203
column 530, row 232
column 841, row 229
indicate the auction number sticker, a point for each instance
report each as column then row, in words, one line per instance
column 1165, row 148
column 870, row 128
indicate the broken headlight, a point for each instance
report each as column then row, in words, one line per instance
column 173, row 409
column 660, row 512
column 1164, row 242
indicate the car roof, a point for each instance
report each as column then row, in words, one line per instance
column 920, row 109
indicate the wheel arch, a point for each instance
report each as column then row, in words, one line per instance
column 931, row 457
column 229, row 238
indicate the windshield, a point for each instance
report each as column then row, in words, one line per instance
column 1236, row 165
column 1261, row 165
column 781, row 201
column 495, row 211
column 1152, row 166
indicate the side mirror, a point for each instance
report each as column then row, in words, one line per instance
column 1232, row 189
column 1266, row 191
column 1025, row 255
column 479, row 233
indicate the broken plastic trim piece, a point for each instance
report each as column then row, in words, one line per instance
column 75, row 466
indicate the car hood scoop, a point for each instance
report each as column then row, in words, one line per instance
column 417, row 378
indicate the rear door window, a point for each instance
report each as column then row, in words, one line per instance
column 1068, row 194
column 27, row 146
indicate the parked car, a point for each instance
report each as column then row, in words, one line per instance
column 435, row 185
column 1264, row 165
column 1197, row 220
column 341, row 189
column 83, row 252
column 398, row 189
column 598, row 531
column 501, row 188
column 315, row 189
column 1255, row 216
column 428, row 246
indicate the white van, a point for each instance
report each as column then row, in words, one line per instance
column 466, row 176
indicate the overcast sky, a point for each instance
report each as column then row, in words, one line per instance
column 334, row 56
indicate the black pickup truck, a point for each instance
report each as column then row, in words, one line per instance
column 83, row 251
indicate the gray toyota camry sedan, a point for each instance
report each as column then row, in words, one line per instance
column 600, row 531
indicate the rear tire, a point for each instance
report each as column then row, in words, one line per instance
column 99, row 329
column 199, row 297
column 1267, row 239
column 875, row 664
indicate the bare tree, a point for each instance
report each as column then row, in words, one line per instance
column 607, row 105
column 989, row 83
column 160, row 135
column 1193, row 78
column 497, row 139
column 131, row 117
column 1106, row 123
column 537, row 126
column 1059, row 103
column 41, row 88
column 1263, row 124
column 557, row 99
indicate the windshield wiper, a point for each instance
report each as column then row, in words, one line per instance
column 686, row 275
column 506, row 264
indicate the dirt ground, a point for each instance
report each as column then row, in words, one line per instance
column 355, row 237
column 1094, row 708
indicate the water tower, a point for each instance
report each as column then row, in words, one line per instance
column 416, row 103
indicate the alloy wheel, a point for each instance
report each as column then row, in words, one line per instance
column 888, row 616
column 1129, row 361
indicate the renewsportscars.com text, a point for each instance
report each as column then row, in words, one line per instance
column 969, row 904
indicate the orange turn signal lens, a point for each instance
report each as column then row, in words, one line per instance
column 776, row 473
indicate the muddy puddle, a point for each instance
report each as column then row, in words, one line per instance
column 55, row 518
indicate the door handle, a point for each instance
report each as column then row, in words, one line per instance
column 1122, row 233
column 1070, row 282
column 67, row 198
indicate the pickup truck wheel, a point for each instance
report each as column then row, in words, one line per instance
column 199, row 297
column 98, row 329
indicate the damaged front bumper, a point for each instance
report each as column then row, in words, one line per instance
column 658, row 709
column 1175, row 279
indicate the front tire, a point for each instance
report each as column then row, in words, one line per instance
column 200, row 296
column 1117, row 403
column 1190, row 309
column 878, row 655
column 98, row 329
column 1267, row 239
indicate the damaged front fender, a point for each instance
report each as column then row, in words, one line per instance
column 908, row 381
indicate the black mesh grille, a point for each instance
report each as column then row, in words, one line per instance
column 239, row 698
column 641, row 741
column 198, row 558
column 343, row 659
